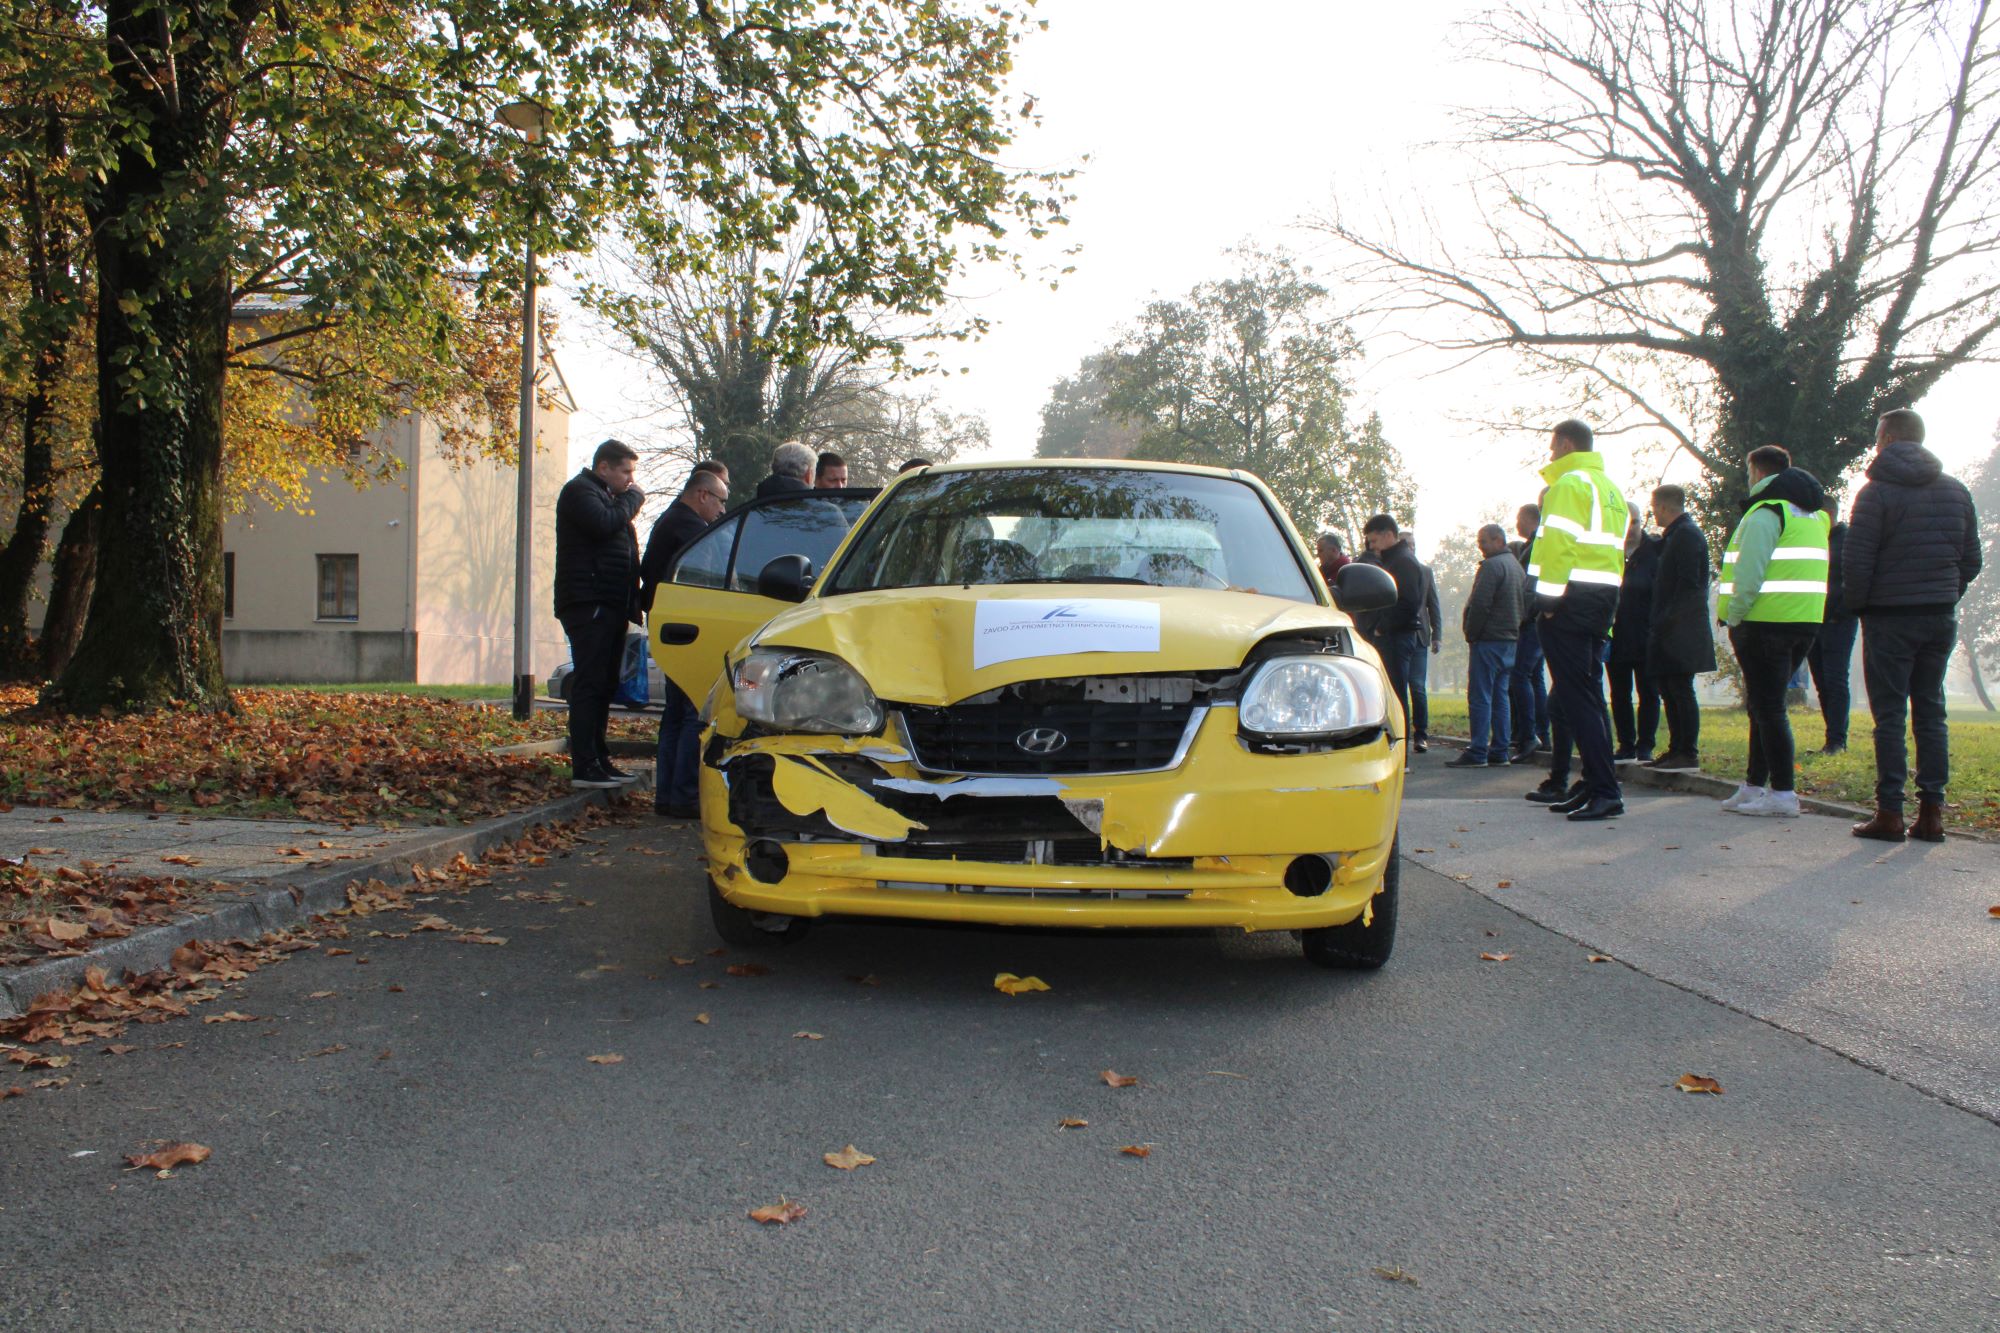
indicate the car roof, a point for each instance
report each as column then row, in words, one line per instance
column 1088, row 465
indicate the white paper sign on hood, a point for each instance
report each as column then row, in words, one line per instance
column 1008, row 630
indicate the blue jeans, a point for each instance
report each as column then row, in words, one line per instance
column 1402, row 655
column 677, row 768
column 1530, row 691
column 1486, row 698
column 1420, row 699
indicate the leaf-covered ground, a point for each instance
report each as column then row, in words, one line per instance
column 1972, row 798
column 295, row 754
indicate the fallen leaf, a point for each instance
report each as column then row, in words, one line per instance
column 708, row 985
column 322, row 995
column 16, row 1091
column 1113, row 1078
column 1601, row 958
column 747, row 970
column 701, row 1018
column 1072, row 1122
column 338, row 953
column 334, row 1049
column 433, row 923
column 67, row 931
column 119, row 1048
column 781, row 1212
column 62, row 1082
column 809, row 1036
column 232, row 1017
column 847, row 1158
column 470, row 938
column 1009, row 984
column 611, row 967
column 181, row 860
column 395, row 990
column 1495, row 957
column 36, row 1060
column 1504, row 884
column 169, row 1157
column 1136, row 1150
column 679, row 961
column 605, row 1059
column 1698, row 1083
column 1993, row 910
column 1395, row 1275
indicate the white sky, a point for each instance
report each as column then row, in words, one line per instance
column 1206, row 127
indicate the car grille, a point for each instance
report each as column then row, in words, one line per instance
column 1099, row 736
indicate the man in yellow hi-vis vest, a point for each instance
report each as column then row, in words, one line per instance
column 1773, row 597
column 1577, row 567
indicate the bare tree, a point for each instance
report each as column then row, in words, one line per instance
column 1786, row 205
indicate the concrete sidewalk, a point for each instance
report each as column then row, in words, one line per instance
column 1881, row 952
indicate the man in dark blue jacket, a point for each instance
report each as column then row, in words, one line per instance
column 1397, row 630
column 597, row 595
column 1912, row 548
column 1832, row 651
column 677, row 766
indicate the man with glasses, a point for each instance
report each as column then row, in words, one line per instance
column 701, row 502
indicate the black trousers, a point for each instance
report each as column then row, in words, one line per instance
column 1628, row 678
column 1677, row 701
column 1831, row 652
column 1903, row 661
column 596, row 650
column 1576, row 679
column 1769, row 654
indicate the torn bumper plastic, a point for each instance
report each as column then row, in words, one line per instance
column 1206, row 843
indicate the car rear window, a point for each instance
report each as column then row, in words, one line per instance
column 1081, row 525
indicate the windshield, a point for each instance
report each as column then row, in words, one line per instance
column 1073, row 525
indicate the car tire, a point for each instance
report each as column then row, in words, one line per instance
column 745, row 929
column 1355, row 947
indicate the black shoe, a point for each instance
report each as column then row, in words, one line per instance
column 1421, row 745
column 1602, row 807
column 619, row 774
column 1552, row 792
column 1521, row 757
column 1646, row 756
column 1500, row 760
column 1465, row 760
column 594, row 778
column 673, row 810
column 1832, row 748
column 1575, row 801
column 1675, row 761
column 1542, row 746
column 1624, row 754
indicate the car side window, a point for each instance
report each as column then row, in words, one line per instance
column 705, row 564
column 811, row 526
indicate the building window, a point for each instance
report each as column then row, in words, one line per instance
column 229, row 585
column 339, row 587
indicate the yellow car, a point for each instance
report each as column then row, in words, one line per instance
column 1054, row 693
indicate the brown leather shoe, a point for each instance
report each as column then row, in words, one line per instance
column 1885, row 826
column 1929, row 825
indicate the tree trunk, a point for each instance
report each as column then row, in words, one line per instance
column 1978, row 680
column 75, row 569
column 23, row 553
column 154, row 634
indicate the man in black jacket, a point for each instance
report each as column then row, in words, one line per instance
column 677, row 766
column 597, row 595
column 1912, row 548
column 1397, row 630
column 1530, row 699
column 1492, row 622
column 1680, row 640
column 791, row 470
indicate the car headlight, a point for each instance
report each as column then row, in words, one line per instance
column 1312, row 696
column 796, row 691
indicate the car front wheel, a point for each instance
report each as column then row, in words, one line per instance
column 1355, row 947
column 752, row 930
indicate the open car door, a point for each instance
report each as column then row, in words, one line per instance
column 709, row 602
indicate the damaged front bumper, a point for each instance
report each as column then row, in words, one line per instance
column 825, row 825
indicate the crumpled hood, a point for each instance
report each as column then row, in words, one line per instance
column 1903, row 463
column 1794, row 485
column 915, row 645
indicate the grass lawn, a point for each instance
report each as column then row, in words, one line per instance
column 1973, row 799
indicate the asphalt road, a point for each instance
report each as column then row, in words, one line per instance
column 1504, row 1135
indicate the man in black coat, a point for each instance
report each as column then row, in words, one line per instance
column 677, row 765
column 791, row 470
column 597, row 595
column 1912, row 548
column 1626, row 667
column 1680, row 639
column 1832, row 653
column 1397, row 630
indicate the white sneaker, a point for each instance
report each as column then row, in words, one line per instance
column 1772, row 805
column 1745, row 794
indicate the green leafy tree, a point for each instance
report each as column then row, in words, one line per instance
column 346, row 151
column 1077, row 421
column 1246, row 372
column 1786, row 206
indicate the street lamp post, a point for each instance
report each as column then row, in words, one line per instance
column 531, row 119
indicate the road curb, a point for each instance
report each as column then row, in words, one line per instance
column 274, row 904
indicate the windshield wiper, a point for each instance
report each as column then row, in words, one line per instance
column 1084, row 578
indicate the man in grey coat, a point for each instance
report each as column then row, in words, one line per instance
column 1492, row 625
column 1912, row 548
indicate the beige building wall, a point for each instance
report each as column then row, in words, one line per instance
column 464, row 572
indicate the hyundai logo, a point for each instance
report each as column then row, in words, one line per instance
column 1040, row 740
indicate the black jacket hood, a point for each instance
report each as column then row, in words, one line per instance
column 1795, row 485
column 1905, row 463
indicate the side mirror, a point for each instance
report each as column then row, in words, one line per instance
column 788, row 578
column 1358, row 587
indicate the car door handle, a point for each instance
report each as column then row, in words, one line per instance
column 673, row 633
